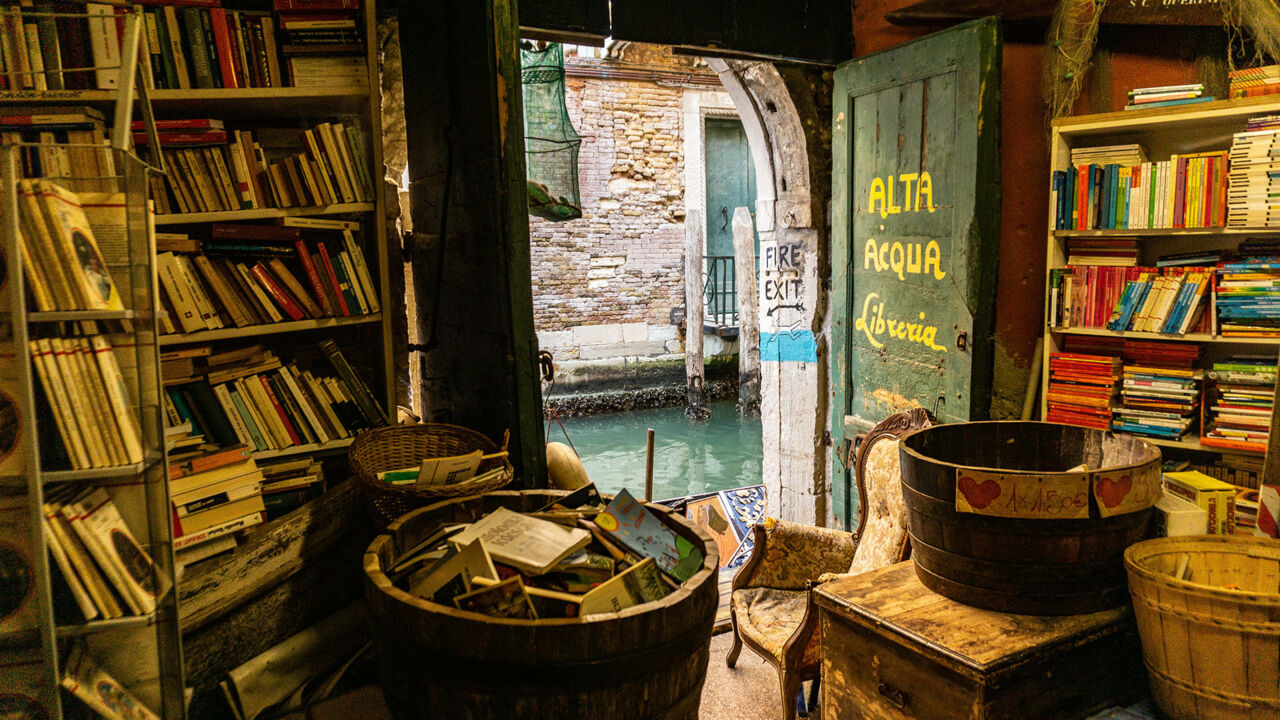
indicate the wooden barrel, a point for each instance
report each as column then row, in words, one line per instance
column 646, row 661
column 1026, row 554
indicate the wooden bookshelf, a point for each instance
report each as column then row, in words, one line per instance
column 367, row 344
column 1164, row 232
column 203, row 336
column 233, row 103
column 261, row 214
column 308, row 449
column 1164, row 132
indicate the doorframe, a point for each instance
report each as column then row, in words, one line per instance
column 695, row 107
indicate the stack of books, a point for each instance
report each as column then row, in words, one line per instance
column 1115, row 252
column 247, row 275
column 65, row 152
column 215, row 494
column 248, row 396
column 1141, row 299
column 1248, row 297
column 1254, row 197
column 213, row 169
column 1240, row 406
column 1082, row 388
column 1253, row 82
column 1239, row 469
column 571, row 559
column 1166, row 96
column 322, row 43
column 1186, row 191
column 290, row 484
column 104, row 569
column 1157, row 401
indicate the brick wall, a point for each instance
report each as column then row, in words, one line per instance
column 622, row 262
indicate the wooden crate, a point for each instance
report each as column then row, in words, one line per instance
column 894, row 650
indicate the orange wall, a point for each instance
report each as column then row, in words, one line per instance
column 1138, row 59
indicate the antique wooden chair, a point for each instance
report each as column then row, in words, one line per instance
column 771, row 607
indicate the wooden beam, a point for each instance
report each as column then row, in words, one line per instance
column 695, row 374
column 744, row 263
column 1137, row 12
column 464, row 123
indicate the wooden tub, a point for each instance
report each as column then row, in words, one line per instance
column 646, row 661
column 1000, row 518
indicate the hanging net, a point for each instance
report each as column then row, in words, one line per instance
column 551, row 143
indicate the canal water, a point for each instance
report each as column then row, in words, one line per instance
column 689, row 457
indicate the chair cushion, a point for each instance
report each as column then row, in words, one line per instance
column 769, row 617
column 886, row 510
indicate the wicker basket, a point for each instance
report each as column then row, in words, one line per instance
column 1211, row 649
column 403, row 446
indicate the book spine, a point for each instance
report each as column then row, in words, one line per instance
column 274, row 403
column 222, row 44
column 313, row 277
column 201, row 67
column 332, row 274
column 277, row 293
column 359, row 391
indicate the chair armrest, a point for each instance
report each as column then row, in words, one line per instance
column 788, row 556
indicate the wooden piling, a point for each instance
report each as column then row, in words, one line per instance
column 694, row 247
column 744, row 262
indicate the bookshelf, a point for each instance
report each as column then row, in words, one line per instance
column 156, row 675
column 1163, row 132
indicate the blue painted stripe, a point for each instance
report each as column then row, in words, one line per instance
column 799, row 346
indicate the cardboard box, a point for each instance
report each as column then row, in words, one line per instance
column 1216, row 497
column 1176, row 517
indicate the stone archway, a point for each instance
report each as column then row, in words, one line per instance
column 794, row 388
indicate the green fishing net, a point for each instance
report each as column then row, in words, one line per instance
column 551, row 143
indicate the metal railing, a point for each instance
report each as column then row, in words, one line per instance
column 720, row 290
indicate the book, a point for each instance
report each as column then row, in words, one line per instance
column 640, row 583
column 528, row 544
column 1214, row 496
column 220, row 530
column 636, row 528
column 453, row 574
column 87, row 681
column 119, row 553
column 507, row 599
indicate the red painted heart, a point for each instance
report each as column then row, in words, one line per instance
column 1112, row 492
column 979, row 494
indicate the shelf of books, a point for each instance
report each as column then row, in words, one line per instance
column 1163, row 290
column 251, row 325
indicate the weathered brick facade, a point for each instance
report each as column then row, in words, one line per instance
column 621, row 264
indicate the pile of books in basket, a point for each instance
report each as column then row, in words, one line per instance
column 574, row 558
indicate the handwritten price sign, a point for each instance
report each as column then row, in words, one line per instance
column 1128, row 490
column 1061, row 496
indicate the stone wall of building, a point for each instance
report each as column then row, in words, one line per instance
column 604, row 285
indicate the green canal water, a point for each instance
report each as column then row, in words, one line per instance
column 689, row 457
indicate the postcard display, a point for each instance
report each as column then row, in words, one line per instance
column 87, row 589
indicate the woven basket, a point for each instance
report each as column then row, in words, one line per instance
column 1211, row 650
column 404, row 446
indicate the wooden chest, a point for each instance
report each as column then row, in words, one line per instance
column 894, row 650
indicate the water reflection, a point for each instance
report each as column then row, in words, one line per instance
column 721, row 453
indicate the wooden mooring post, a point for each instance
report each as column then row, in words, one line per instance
column 694, row 370
column 744, row 262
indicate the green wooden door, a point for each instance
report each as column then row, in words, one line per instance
column 730, row 182
column 915, row 229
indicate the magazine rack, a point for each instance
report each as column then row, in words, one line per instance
column 143, row 651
